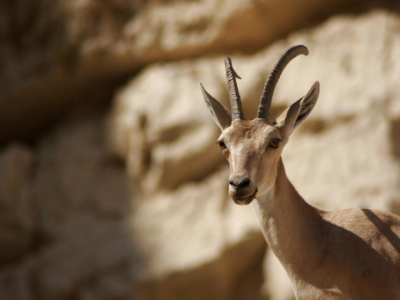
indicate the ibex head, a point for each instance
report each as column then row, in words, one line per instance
column 253, row 147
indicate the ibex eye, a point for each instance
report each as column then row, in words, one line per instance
column 222, row 145
column 274, row 143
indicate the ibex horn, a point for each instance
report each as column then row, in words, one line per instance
column 266, row 96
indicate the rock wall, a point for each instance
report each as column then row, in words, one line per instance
column 63, row 208
column 130, row 202
column 58, row 54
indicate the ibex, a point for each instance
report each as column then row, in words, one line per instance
column 349, row 254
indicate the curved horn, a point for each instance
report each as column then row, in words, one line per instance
column 266, row 96
column 236, row 103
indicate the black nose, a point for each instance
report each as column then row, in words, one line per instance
column 239, row 183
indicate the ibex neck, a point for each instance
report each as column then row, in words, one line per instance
column 292, row 227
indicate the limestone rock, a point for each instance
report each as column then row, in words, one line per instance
column 83, row 206
column 163, row 131
column 198, row 244
column 93, row 247
column 17, row 211
column 76, row 177
column 16, row 281
column 58, row 54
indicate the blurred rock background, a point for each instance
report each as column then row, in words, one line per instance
column 111, row 185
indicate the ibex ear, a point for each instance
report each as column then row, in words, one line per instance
column 220, row 113
column 298, row 111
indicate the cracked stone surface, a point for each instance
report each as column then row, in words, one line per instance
column 62, row 54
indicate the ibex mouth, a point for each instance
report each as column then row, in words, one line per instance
column 245, row 200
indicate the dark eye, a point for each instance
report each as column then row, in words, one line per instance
column 274, row 143
column 222, row 145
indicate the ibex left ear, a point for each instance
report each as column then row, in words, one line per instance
column 220, row 114
column 297, row 112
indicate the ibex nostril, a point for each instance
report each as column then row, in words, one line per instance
column 239, row 183
column 245, row 183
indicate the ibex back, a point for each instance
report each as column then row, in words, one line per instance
column 350, row 254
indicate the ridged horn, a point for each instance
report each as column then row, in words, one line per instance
column 266, row 96
column 236, row 103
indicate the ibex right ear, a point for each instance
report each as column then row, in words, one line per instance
column 298, row 111
column 220, row 113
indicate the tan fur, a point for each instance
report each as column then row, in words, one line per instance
column 352, row 254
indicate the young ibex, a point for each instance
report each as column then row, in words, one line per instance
column 349, row 254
